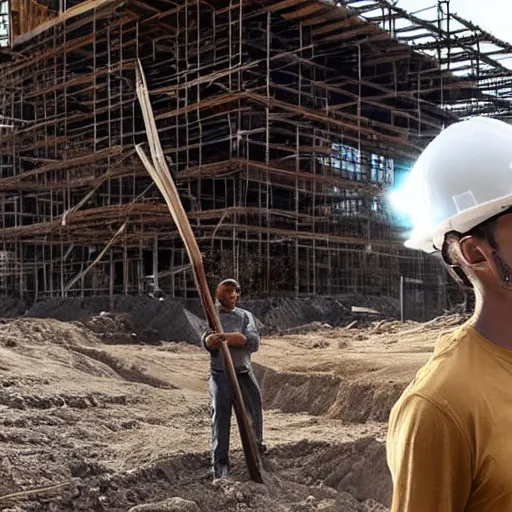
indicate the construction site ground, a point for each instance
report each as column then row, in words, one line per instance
column 93, row 422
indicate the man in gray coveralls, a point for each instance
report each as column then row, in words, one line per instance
column 243, row 339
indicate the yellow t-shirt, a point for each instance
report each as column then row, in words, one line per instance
column 449, row 443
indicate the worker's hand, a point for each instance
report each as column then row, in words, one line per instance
column 235, row 339
column 213, row 340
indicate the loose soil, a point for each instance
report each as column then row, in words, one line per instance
column 94, row 420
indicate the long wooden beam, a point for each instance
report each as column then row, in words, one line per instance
column 161, row 175
column 71, row 13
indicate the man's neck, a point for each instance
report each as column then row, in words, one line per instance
column 225, row 309
column 492, row 319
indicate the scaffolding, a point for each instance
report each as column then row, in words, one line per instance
column 4, row 24
column 461, row 47
column 284, row 125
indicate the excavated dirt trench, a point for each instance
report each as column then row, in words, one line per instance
column 335, row 397
column 87, row 425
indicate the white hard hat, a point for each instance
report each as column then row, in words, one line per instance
column 463, row 178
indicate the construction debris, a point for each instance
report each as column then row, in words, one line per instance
column 304, row 329
column 441, row 322
column 170, row 505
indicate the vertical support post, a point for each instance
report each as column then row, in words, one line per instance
column 45, row 277
column 62, row 286
column 184, row 274
column 329, row 270
column 308, row 275
column 141, row 273
column 297, row 170
column 402, row 299
column 173, row 274
column 36, row 277
column 22, row 280
column 267, row 157
column 155, row 261
column 126, row 273
column 111, row 281
column 82, row 280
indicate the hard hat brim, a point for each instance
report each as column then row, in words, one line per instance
column 461, row 222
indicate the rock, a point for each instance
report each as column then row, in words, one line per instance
column 328, row 506
column 343, row 343
column 311, row 504
column 373, row 506
column 170, row 505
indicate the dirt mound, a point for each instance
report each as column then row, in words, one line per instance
column 66, row 344
column 150, row 319
column 281, row 314
column 289, row 484
column 153, row 320
column 113, row 328
column 129, row 373
column 174, row 504
column 11, row 307
column 27, row 334
column 358, row 468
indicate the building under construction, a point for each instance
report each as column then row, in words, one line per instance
column 284, row 123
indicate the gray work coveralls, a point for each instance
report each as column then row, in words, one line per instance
column 238, row 320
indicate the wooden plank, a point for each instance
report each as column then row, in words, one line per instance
column 363, row 30
column 69, row 14
column 332, row 15
column 285, row 4
column 303, row 12
column 340, row 25
column 387, row 59
column 28, row 14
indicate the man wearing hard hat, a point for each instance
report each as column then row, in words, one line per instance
column 450, row 434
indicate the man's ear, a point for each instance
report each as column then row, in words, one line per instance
column 475, row 251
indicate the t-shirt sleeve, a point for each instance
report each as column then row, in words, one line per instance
column 203, row 341
column 251, row 333
column 429, row 458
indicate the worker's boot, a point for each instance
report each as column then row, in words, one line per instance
column 220, row 470
column 262, row 447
